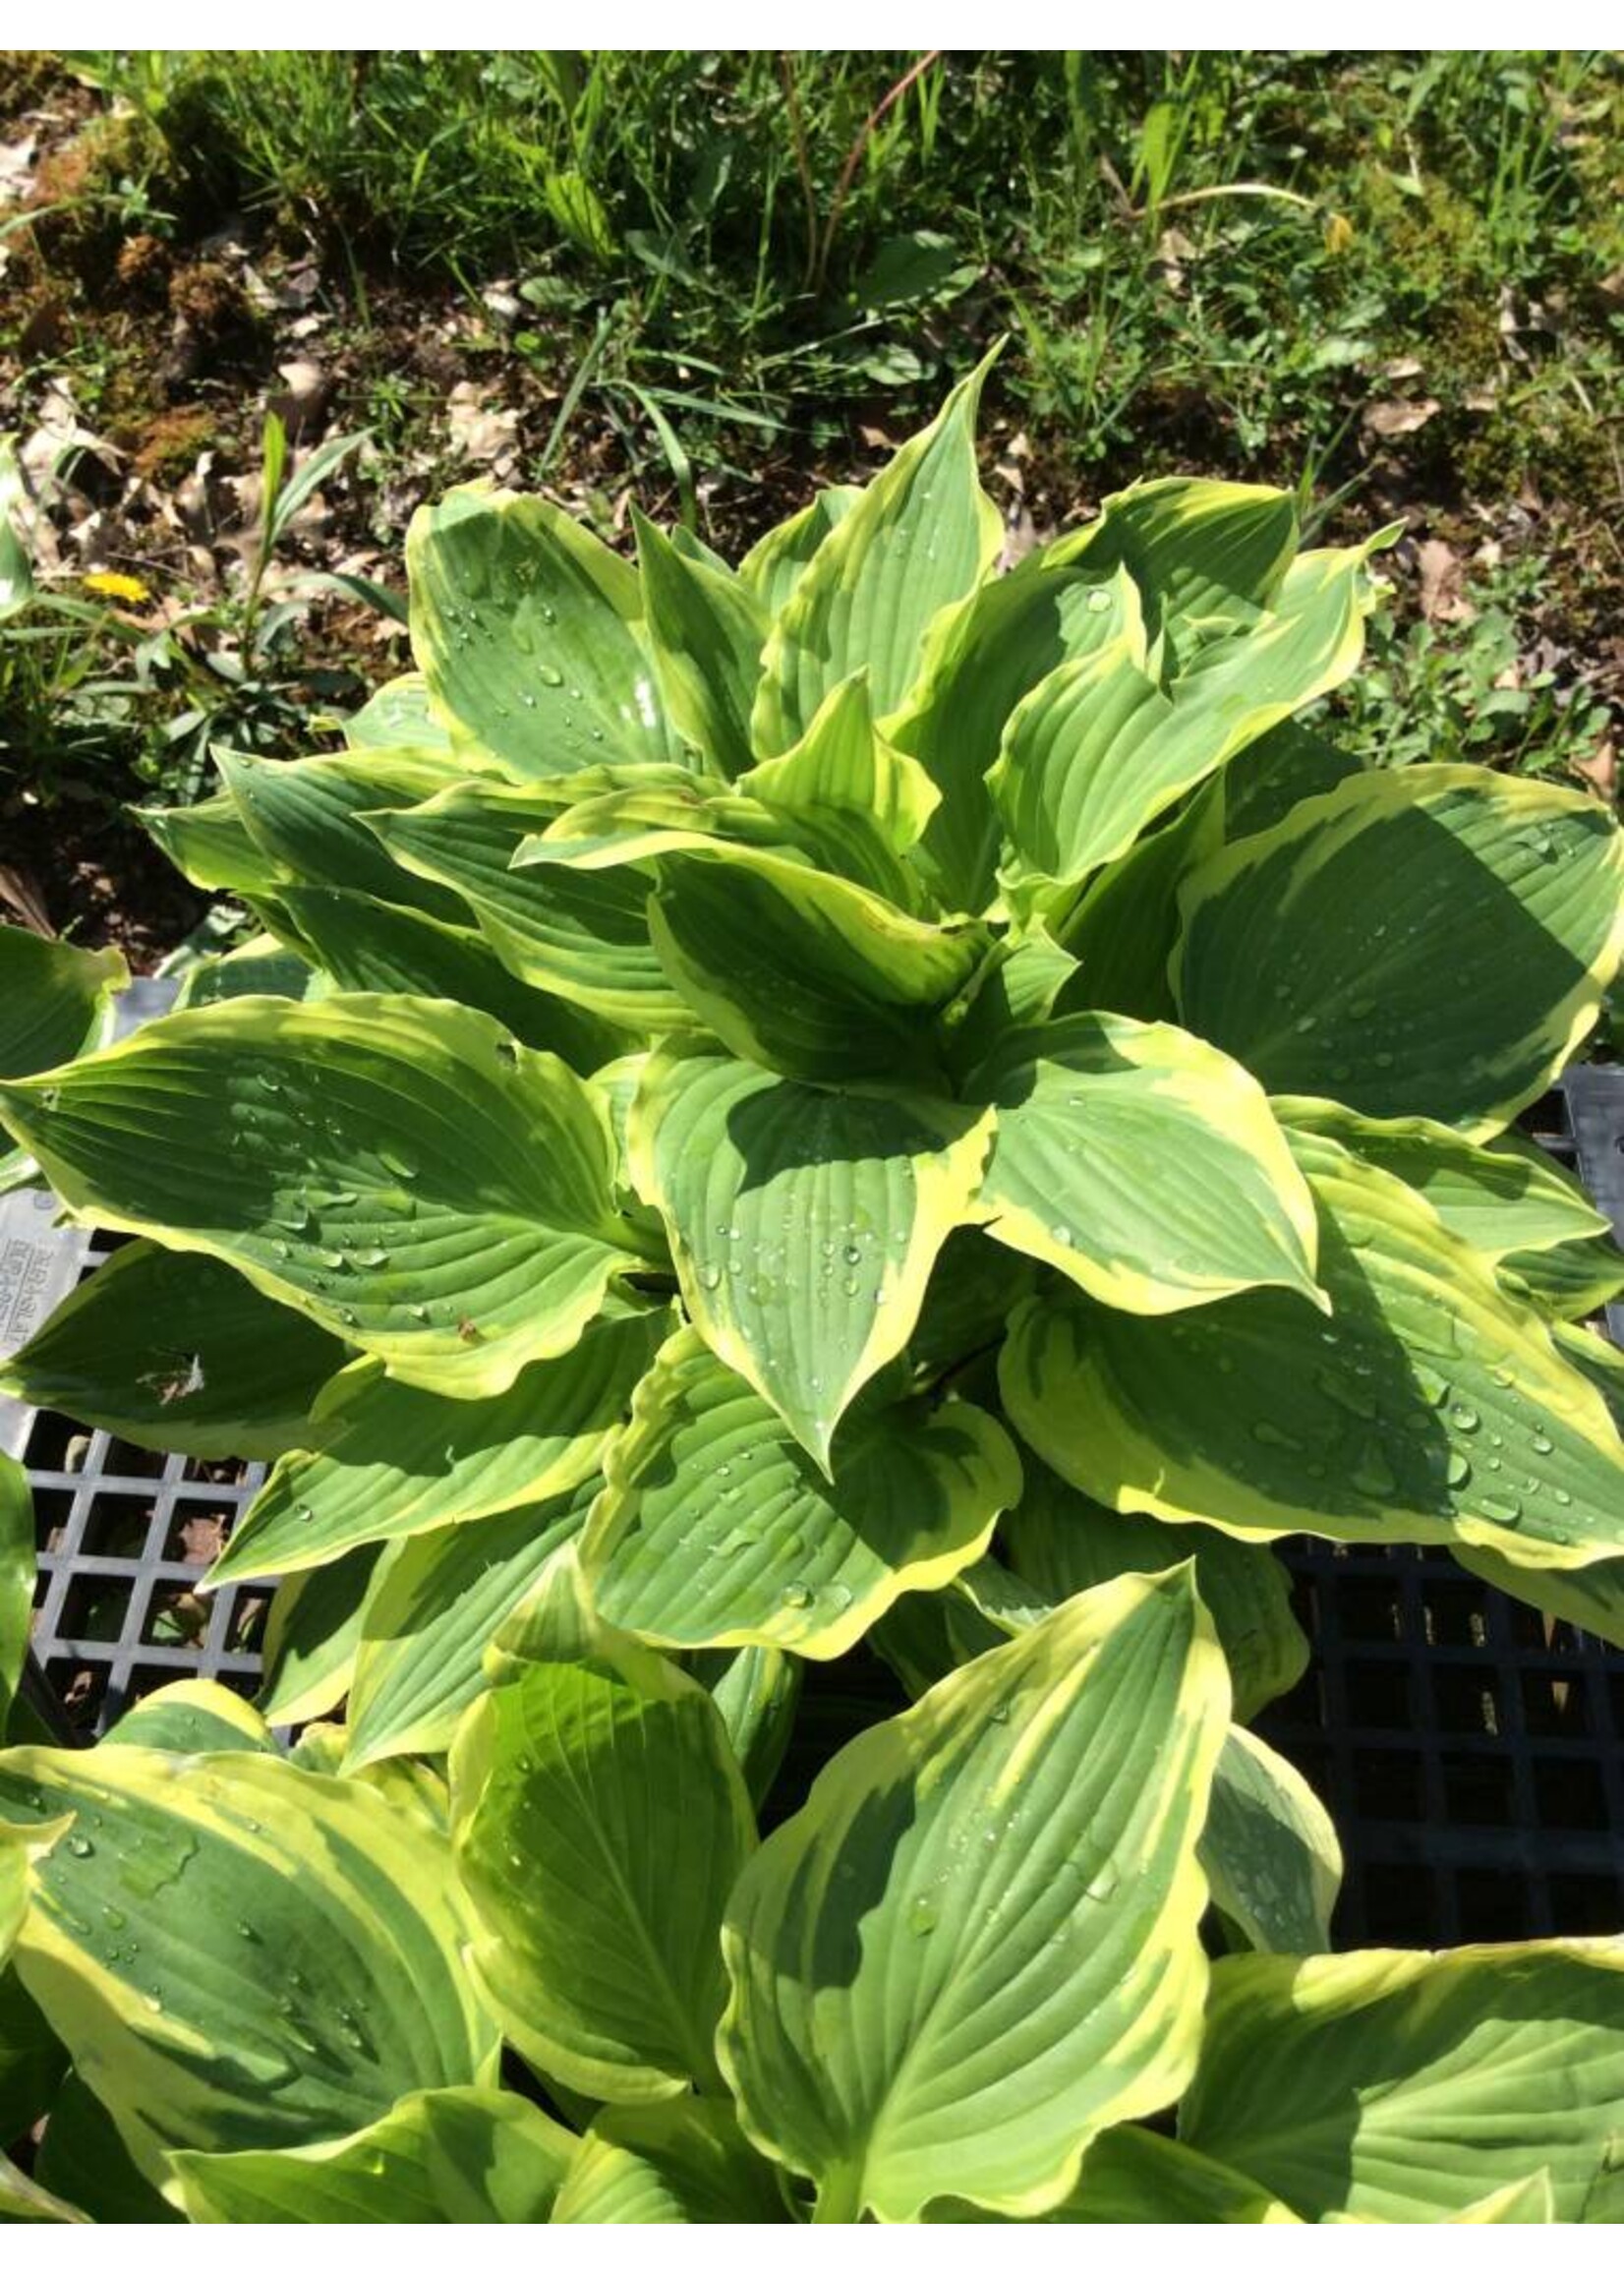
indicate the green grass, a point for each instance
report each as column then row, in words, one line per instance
column 1462, row 691
column 732, row 269
column 1086, row 203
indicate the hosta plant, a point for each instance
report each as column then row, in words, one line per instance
column 812, row 1162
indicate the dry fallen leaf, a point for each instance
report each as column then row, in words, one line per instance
column 1019, row 539
column 16, row 160
column 1010, row 469
column 302, row 401
column 1173, row 251
column 1397, row 418
column 1601, row 770
column 22, row 894
column 201, row 1538
column 1440, row 572
column 480, row 432
column 58, row 436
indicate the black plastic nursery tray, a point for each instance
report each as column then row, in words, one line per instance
column 1468, row 1747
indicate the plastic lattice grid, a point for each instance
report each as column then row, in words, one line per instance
column 124, row 1538
column 1469, row 1749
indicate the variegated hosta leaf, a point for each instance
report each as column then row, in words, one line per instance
column 1019, row 984
column 693, row 546
column 397, row 715
column 803, row 1223
column 179, row 1352
column 32, row 2062
column 775, row 564
column 922, row 1638
column 1429, row 940
column 843, row 765
column 980, row 659
column 527, row 630
column 599, row 1819
column 756, row 1692
column 706, row 630
column 1498, row 1198
column 17, row 1577
column 305, row 817
column 681, row 2162
column 973, row 1287
column 459, row 2156
column 717, row 1528
column 851, row 798
column 262, row 965
column 1430, row 1405
column 922, row 534
column 1059, row 1543
column 239, row 1955
column 1208, row 555
column 55, row 998
column 636, row 821
column 22, row 2198
column 1142, row 1164
column 20, row 1846
column 1134, row 2178
column 1273, row 774
column 1506, row 1199
column 1124, row 930
column 1097, row 750
column 1572, row 1280
column 368, row 948
column 1270, row 1850
column 1601, row 1361
column 83, row 2160
column 1406, row 2085
column 55, row 1002
column 1525, row 2202
column 805, row 972
column 1121, row 930
column 399, row 1170
column 976, row 1947
column 210, row 845
column 438, row 1600
column 313, row 1632
column 192, row 1718
column 396, row 1460
column 580, row 934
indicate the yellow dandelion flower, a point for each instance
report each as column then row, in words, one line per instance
column 1340, row 234
column 108, row 584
